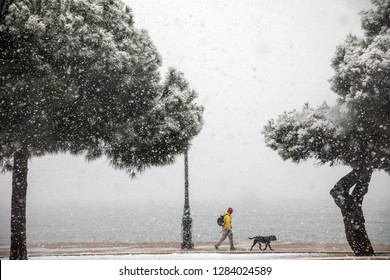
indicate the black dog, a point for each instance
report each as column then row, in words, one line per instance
column 263, row 239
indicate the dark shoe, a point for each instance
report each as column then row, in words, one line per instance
column 216, row 247
column 233, row 249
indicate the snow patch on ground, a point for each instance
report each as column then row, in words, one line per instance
column 187, row 256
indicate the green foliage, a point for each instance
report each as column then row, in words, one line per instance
column 77, row 76
column 304, row 134
column 356, row 131
column 162, row 133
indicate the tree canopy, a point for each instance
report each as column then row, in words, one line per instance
column 77, row 76
column 356, row 130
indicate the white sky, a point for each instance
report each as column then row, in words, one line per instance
column 249, row 61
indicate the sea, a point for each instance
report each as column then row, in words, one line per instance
column 289, row 221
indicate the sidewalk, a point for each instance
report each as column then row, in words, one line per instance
column 202, row 250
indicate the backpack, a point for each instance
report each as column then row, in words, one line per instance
column 221, row 221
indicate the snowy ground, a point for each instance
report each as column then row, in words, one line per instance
column 107, row 260
column 202, row 251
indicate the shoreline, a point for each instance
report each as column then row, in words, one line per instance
column 145, row 250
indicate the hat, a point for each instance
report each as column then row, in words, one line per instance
column 230, row 210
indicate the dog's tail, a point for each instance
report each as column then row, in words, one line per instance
column 251, row 238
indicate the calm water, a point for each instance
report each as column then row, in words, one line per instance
column 306, row 222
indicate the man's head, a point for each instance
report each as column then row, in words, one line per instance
column 230, row 210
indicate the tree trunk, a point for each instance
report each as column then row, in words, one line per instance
column 18, row 249
column 348, row 195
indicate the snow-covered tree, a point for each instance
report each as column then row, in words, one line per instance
column 162, row 132
column 77, row 76
column 354, row 132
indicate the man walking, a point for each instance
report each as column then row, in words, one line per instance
column 227, row 229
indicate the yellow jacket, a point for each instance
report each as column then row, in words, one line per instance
column 228, row 221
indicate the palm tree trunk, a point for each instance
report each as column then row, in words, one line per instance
column 18, row 250
column 348, row 195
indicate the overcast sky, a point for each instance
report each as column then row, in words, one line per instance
column 249, row 61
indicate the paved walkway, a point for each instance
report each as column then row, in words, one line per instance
column 280, row 250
